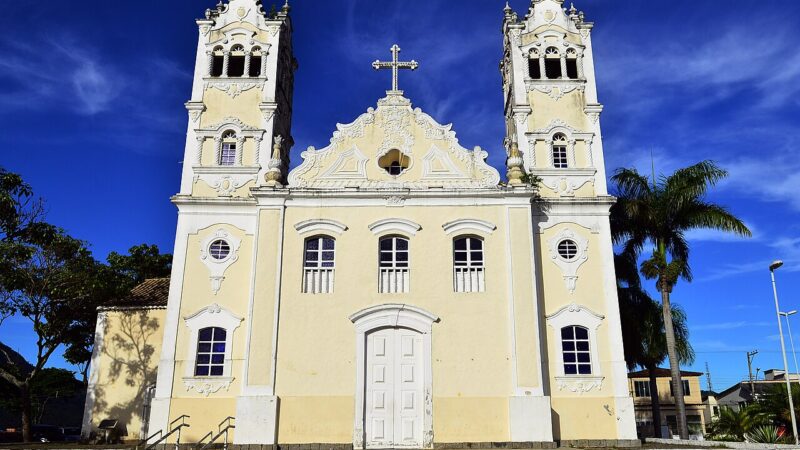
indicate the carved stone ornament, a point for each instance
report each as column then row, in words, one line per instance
column 207, row 385
column 395, row 200
column 565, row 185
column 445, row 162
column 232, row 87
column 555, row 91
column 579, row 384
column 569, row 267
column 218, row 266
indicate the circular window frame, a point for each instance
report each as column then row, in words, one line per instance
column 576, row 252
column 211, row 252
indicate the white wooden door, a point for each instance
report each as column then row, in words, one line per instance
column 394, row 391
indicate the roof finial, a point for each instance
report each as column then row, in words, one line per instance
column 286, row 8
column 514, row 164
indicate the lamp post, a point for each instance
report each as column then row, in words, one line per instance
column 791, row 341
column 772, row 268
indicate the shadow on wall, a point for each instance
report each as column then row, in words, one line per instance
column 131, row 351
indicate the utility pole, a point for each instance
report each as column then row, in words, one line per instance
column 708, row 378
column 750, row 356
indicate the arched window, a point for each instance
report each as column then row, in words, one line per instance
column 468, row 268
column 218, row 61
column 227, row 154
column 210, row 358
column 393, row 265
column 552, row 63
column 236, row 61
column 394, row 162
column 318, row 265
column 560, row 160
column 255, row 62
column 572, row 64
column 575, row 350
column 534, row 70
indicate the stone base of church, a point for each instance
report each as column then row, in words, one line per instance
column 260, row 427
column 531, row 419
column 601, row 443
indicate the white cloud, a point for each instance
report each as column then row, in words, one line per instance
column 45, row 72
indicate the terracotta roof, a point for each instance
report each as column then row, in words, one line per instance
column 662, row 373
column 151, row 293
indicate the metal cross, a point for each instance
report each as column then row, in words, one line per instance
column 395, row 65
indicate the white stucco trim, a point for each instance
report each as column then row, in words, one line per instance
column 574, row 314
column 394, row 225
column 469, row 225
column 212, row 315
column 393, row 315
column 217, row 267
column 317, row 225
column 569, row 267
column 94, row 375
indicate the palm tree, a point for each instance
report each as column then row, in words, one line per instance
column 660, row 214
column 643, row 330
column 735, row 424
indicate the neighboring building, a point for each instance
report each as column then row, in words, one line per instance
column 127, row 349
column 745, row 392
column 711, row 407
column 389, row 291
column 639, row 385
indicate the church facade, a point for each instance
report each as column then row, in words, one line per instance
column 391, row 290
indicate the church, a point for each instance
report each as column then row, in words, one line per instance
column 390, row 291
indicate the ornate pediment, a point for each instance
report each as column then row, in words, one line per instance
column 394, row 146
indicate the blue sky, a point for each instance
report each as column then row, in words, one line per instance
column 91, row 114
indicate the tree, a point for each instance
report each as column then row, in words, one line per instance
column 643, row 331
column 660, row 214
column 112, row 281
column 734, row 425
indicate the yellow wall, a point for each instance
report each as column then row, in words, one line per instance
column 126, row 364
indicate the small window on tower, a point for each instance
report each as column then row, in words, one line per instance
column 572, row 64
column 534, row 70
column 236, row 61
column 560, row 151
column 552, row 63
column 227, row 154
column 394, row 162
column 217, row 62
column 255, row 62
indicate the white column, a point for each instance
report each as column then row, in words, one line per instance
column 210, row 56
column 579, row 64
column 542, row 72
column 199, row 154
column 218, row 149
column 225, row 61
column 263, row 63
column 571, row 154
column 239, row 150
column 247, row 56
column 258, row 140
column 563, row 60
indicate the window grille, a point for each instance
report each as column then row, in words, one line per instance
column 227, row 156
column 575, row 350
column 641, row 389
column 468, row 268
column 210, row 352
column 394, row 277
column 560, row 160
column 318, row 265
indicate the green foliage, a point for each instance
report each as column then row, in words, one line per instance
column 52, row 279
column 765, row 434
column 734, row 425
column 660, row 214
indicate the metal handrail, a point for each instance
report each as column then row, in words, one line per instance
column 222, row 431
column 144, row 441
column 200, row 442
column 172, row 431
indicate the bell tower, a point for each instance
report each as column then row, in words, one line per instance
column 240, row 111
column 550, row 98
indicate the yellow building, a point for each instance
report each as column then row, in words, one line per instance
column 642, row 391
column 390, row 291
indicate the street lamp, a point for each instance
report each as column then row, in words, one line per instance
column 791, row 340
column 772, row 268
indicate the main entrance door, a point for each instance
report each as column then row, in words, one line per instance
column 394, row 389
